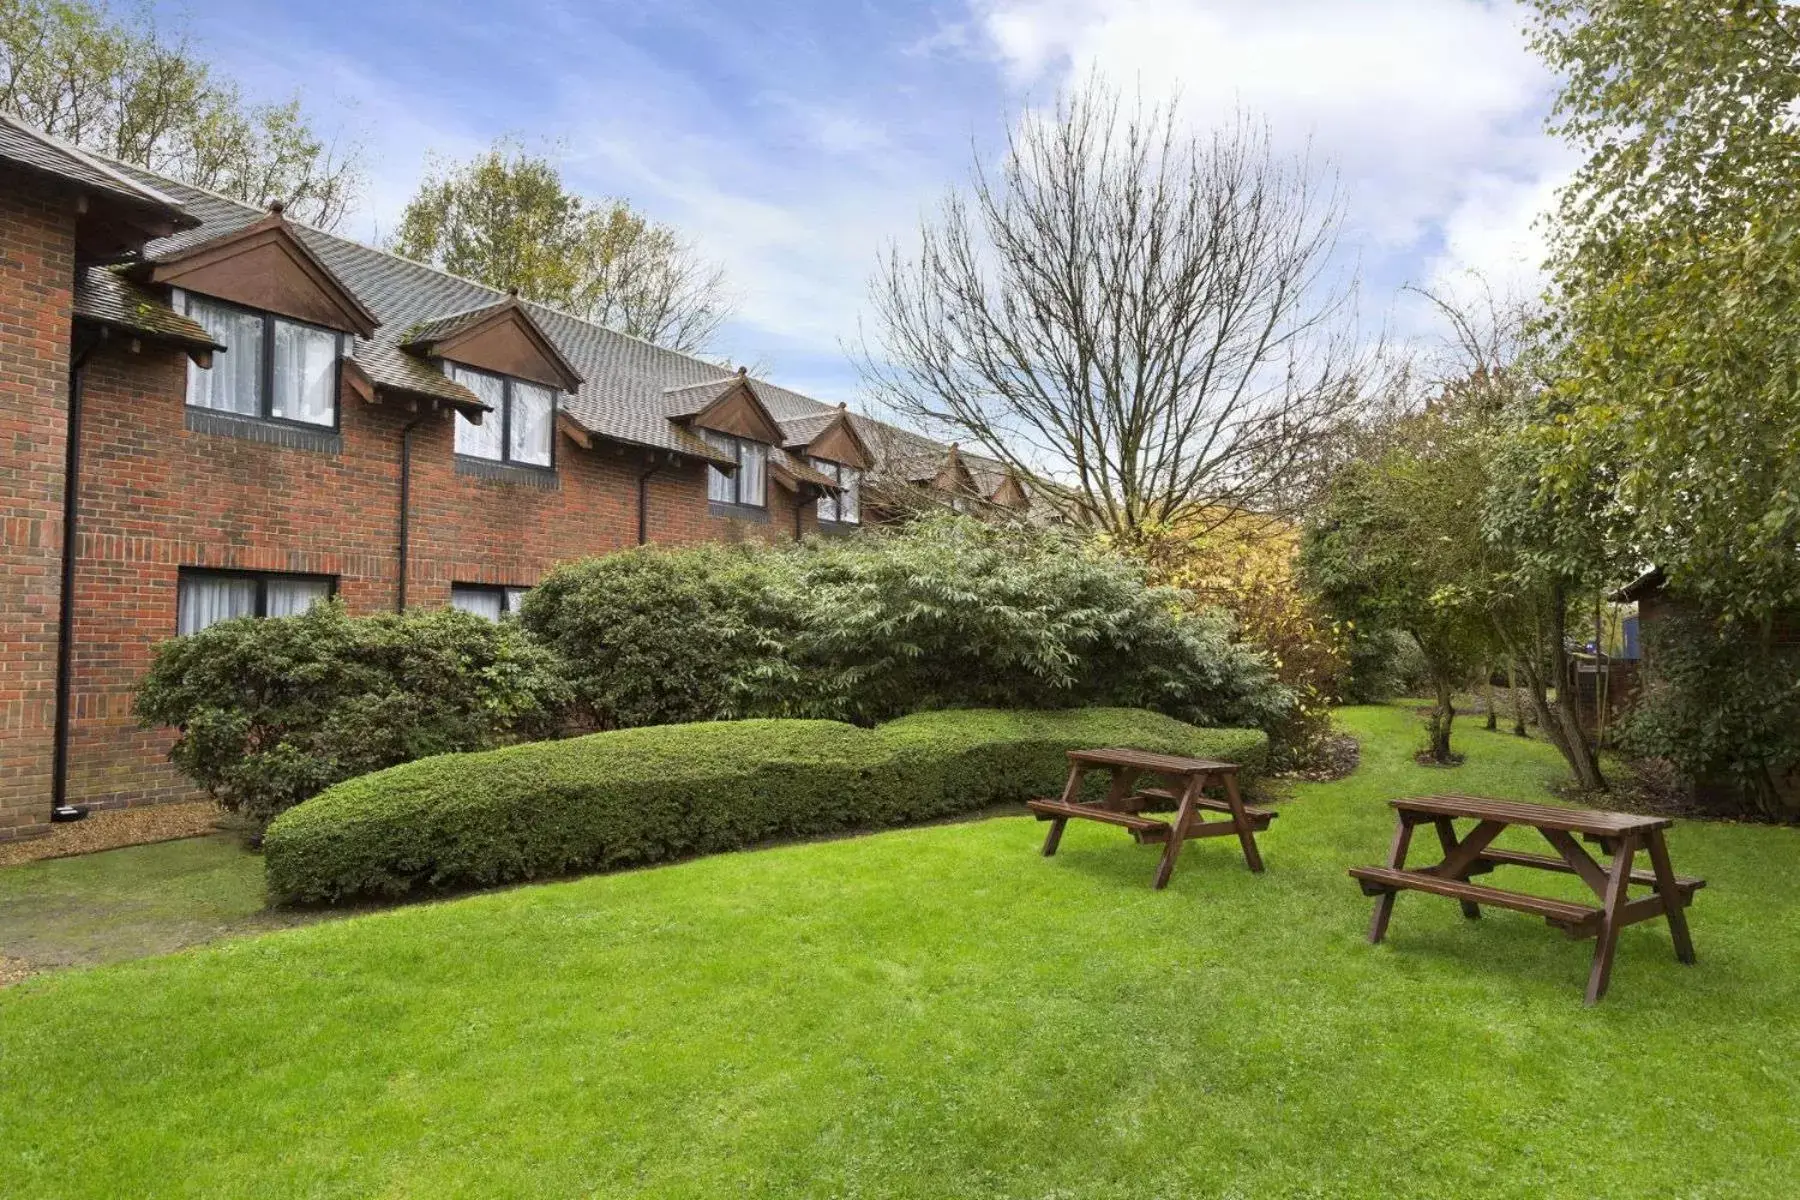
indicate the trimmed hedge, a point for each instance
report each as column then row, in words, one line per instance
column 636, row 796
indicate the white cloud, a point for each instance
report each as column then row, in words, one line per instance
column 1431, row 110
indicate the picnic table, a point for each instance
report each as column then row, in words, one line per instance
column 1125, row 804
column 1621, row 835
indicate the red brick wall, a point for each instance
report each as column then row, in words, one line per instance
column 37, row 271
column 156, row 497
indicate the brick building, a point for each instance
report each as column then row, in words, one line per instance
column 211, row 411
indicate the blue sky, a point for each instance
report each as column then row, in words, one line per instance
column 791, row 141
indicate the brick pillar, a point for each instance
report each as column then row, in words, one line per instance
column 37, row 271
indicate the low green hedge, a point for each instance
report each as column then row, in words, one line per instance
column 637, row 796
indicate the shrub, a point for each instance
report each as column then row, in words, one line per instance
column 1722, row 708
column 944, row 613
column 952, row 613
column 1246, row 566
column 270, row 712
column 652, row 636
column 631, row 797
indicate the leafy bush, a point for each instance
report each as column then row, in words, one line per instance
column 1383, row 663
column 1722, row 708
column 630, row 797
column 652, row 636
column 944, row 613
column 270, row 712
column 1246, row 566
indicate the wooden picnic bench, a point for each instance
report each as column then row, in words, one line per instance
column 1125, row 804
column 1620, row 834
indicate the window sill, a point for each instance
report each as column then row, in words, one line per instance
column 273, row 433
column 838, row 528
column 544, row 478
column 755, row 514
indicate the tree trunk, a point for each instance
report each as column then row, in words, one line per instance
column 1441, row 718
column 1487, row 688
column 1573, row 743
column 1512, row 694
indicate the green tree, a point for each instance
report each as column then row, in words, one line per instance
column 138, row 91
column 1396, row 543
column 506, row 218
column 1677, row 276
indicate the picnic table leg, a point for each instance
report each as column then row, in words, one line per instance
column 1246, row 835
column 1384, row 903
column 1446, row 831
column 1618, row 883
column 1071, row 790
column 1671, row 896
column 1184, row 813
column 1122, row 779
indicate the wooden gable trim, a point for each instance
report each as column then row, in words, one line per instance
column 573, row 431
column 954, row 475
column 264, row 266
column 1011, row 493
column 740, row 412
column 839, row 442
column 509, row 342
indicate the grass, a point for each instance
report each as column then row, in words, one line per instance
column 941, row 1012
column 120, row 904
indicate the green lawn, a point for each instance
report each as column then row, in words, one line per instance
column 120, row 904
column 941, row 1012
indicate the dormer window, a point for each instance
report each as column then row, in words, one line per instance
column 749, row 484
column 272, row 368
column 519, row 426
column 845, row 508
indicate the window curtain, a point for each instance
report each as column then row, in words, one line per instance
column 753, row 459
column 514, row 598
column 305, row 374
column 828, row 505
column 208, row 599
column 482, row 601
column 483, row 440
column 291, row 597
column 533, row 416
column 234, row 382
column 850, row 503
column 719, row 485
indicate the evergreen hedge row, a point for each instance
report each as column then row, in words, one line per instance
column 636, row 796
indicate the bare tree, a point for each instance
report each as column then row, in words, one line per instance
column 1139, row 315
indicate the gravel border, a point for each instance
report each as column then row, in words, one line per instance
column 114, row 828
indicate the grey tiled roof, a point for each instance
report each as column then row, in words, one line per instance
column 107, row 298
column 441, row 328
column 391, row 367
column 632, row 391
column 36, row 151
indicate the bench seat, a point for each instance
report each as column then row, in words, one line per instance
column 1144, row 829
column 1377, row 880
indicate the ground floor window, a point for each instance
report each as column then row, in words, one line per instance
column 208, row 597
column 490, row 600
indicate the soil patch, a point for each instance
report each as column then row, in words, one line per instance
column 1337, row 757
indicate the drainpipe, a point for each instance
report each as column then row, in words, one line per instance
column 405, row 507
column 60, row 808
column 643, row 484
